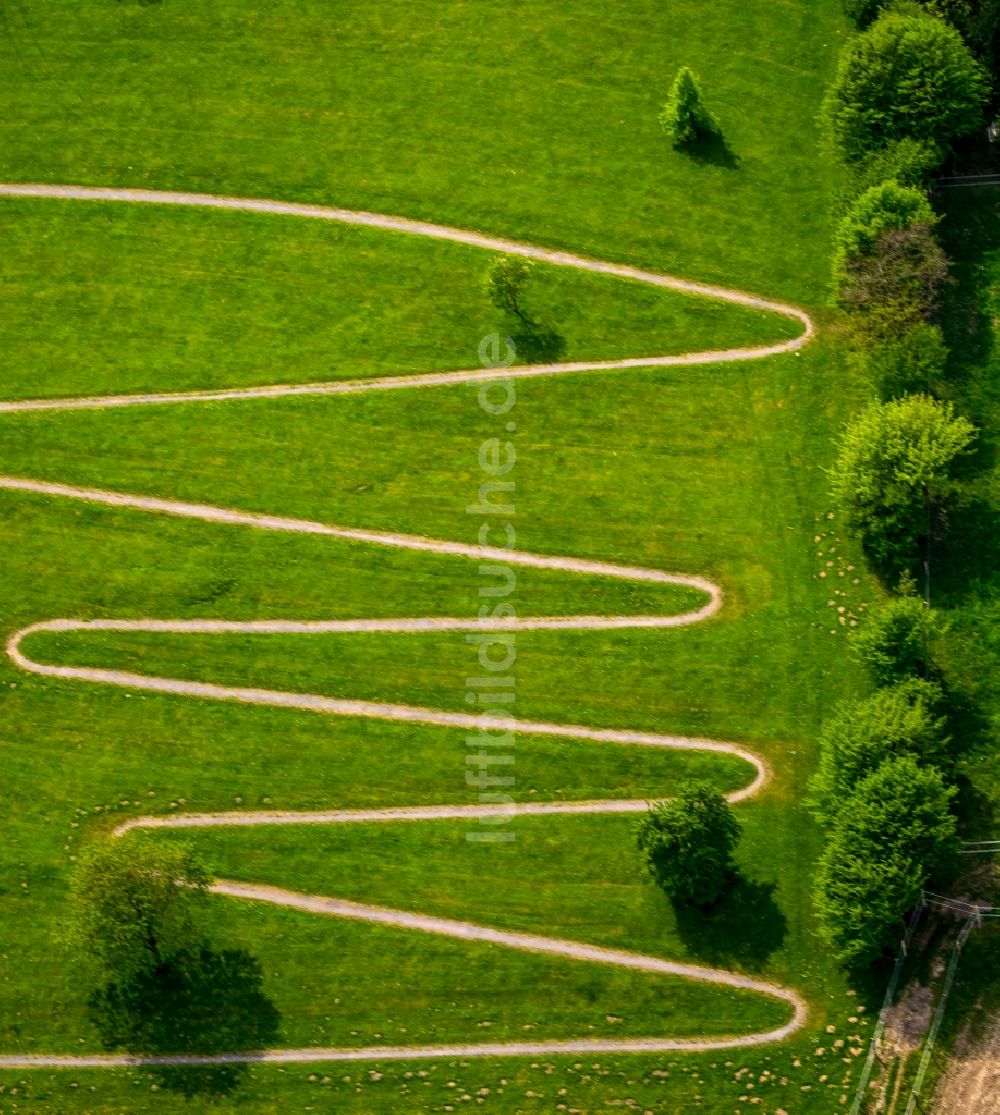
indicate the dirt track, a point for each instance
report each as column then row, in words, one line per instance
column 327, row 906
column 971, row 1086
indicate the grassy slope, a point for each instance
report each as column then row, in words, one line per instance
column 762, row 424
column 540, row 124
column 188, row 299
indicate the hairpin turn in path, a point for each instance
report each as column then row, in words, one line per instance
column 340, row 707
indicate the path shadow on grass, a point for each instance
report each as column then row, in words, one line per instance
column 209, row 1002
column 743, row 928
column 710, row 151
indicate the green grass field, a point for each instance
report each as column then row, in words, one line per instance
column 538, row 124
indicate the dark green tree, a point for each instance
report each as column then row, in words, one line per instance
column 894, row 470
column 900, row 365
column 894, row 833
column 907, row 76
column 685, row 117
column 135, row 905
column 504, row 283
column 688, row 843
column 861, row 735
column 863, row 11
column 979, row 24
column 896, row 640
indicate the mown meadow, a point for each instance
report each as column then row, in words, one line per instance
column 538, row 124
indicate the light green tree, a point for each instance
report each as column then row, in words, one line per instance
column 861, row 735
column 894, row 469
column 135, row 904
column 684, row 117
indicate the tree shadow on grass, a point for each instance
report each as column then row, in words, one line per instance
column 710, row 151
column 970, row 232
column 209, row 1002
column 537, row 343
column 743, row 928
column 966, row 557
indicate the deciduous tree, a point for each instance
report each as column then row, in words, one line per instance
column 894, row 469
column 505, row 281
column 688, row 843
column 907, row 76
column 895, row 287
column 894, row 833
column 896, row 640
column 912, row 362
column 135, row 904
column 861, row 735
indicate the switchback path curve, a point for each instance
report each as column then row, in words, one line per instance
column 392, row 712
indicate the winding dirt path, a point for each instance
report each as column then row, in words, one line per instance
column 333, row 907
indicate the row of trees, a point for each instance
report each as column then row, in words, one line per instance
column 906, row 87
column 883, row 789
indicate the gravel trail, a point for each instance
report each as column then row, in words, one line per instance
column 334, row 907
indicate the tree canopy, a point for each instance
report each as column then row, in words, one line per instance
column 894, row 833
column 895, row 640
column 900, row 720
column 914, row 360
column 688, row 842
column 894, row 468
column 907, row 76
column 134, row 904
column 879, row 209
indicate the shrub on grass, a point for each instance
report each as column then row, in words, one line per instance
column 893, row 473
column 135, row 905
column 907, row 76
column 902, row 719
column 685, row 118
column 894, row 833
column 896, row 639
column 688, row 843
